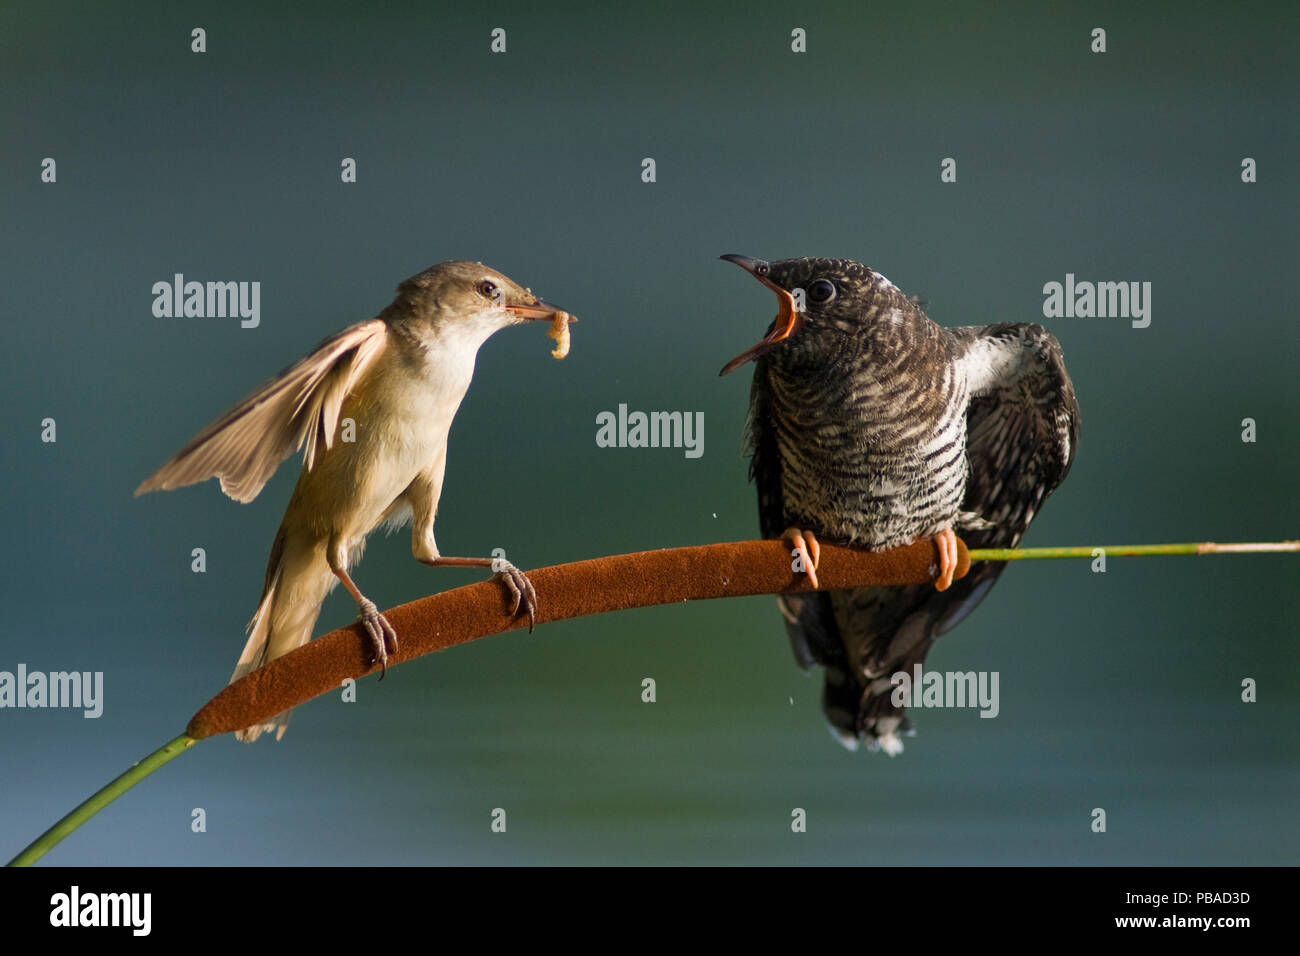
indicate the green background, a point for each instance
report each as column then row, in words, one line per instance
column 1118, row 690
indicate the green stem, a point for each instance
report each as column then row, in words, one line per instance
column 1134, row 550
column 46, row 841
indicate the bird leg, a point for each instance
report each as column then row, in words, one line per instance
column 945, row 543
column 521, row 589
column 381, row 632
column 804, row 542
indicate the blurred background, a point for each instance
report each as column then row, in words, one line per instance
column 1118, row 690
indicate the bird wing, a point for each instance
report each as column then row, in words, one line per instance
column 299, row 406
column 764, row 460
column 1022, row 427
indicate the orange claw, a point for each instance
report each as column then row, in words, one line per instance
column 946, row 544
column 805, row 542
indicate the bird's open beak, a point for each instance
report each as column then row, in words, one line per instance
column 785, row 324
column 539, row 310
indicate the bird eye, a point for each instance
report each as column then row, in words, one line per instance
column 823, row 290
column 487, row 288
column 762, row 269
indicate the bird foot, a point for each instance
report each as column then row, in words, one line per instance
column 521, row 589
column 381, row 634
column 809, row 551
column 945, row 542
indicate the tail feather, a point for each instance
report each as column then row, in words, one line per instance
column 254, row 656
column 297, row 580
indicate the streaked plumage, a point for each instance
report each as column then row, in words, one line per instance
column 874, row 426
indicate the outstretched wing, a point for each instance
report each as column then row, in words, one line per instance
column 299, row 406
column 1022, row 427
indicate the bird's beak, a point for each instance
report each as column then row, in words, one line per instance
column 538, row 310
column 787, row 320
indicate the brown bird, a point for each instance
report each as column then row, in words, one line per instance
column 400, row 379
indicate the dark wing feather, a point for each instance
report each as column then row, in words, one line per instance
column 299, row 406
column 764, row 458
column 1022, row 429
